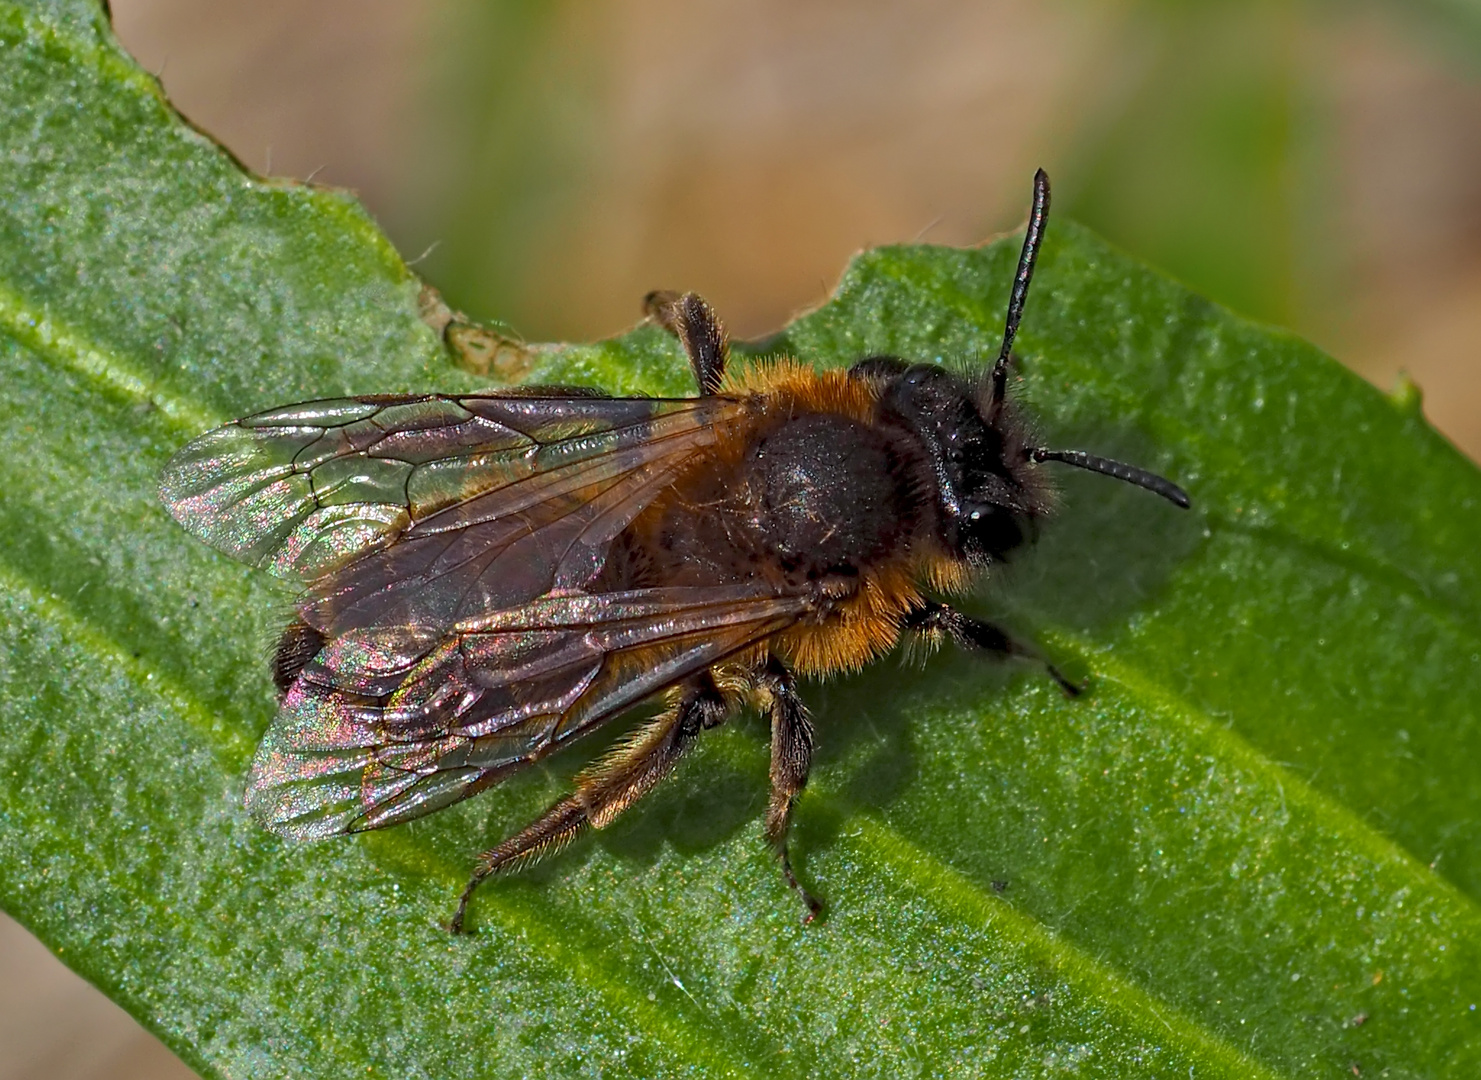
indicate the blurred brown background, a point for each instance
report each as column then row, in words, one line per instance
column 1316, row 165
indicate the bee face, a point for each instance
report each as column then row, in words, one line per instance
column 977, row 455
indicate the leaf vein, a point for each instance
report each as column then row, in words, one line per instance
column 1293, row 788
column 37, row 330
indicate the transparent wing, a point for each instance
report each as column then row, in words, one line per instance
column 384, row 726
column 306, row 489
column 547, row 531
column 446, row 544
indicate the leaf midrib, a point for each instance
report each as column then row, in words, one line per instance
column 1178, row 711
column 934, row 880
column 51, row 338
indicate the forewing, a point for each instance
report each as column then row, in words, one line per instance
column 381, row 727
column 304, row 490
column 547, row 531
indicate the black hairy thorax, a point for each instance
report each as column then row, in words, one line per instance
column 835, row 494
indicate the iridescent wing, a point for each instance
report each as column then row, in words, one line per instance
column 446, row 544
column 383, row 727
column 302, row 491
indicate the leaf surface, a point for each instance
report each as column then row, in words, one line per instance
column 1252, row 849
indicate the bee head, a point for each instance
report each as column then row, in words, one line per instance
column 974, row 452
column 981, row 458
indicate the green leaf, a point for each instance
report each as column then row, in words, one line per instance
column 1252, row 849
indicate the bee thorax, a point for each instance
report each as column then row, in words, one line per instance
column 831, row 500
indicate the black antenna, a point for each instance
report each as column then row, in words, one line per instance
column 1038, row 216
column 1130, row 473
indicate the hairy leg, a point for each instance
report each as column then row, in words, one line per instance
column 609, row 787
column 690, row 319
column 791, row 759
column 934, row 620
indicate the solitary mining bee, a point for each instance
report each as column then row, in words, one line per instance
column 490, row 576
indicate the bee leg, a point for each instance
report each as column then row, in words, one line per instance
column 609, row 787
column 791, row 758
column 690, row 319
column 934, row 619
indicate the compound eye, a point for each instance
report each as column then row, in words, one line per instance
column 991, row 529
column 922, row 375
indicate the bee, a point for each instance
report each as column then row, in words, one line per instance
column 488, row 577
